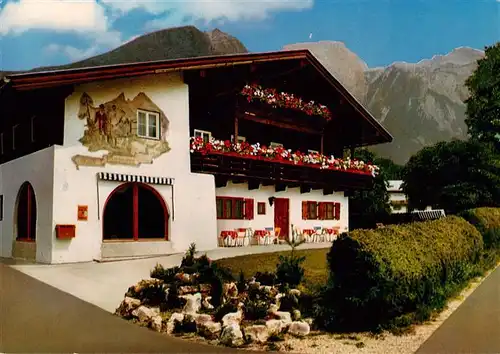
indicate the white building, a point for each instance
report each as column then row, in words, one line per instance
column 397, row 198
column 96, row 162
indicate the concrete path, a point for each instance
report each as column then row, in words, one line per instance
column 474, row 327
column 105, row 284
column 37, row 318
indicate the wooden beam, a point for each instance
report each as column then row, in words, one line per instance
column 305, row 189
column 283, row 125
column 280, row 187
column 252, row 185
column 220, row 181
column 267, row 183
column 327, row 191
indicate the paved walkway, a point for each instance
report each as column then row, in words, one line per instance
column 474, row 327
column 37, row 318
column 105, row 284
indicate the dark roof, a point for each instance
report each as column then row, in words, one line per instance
column 61, row 77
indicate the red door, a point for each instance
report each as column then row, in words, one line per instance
column 282, row 216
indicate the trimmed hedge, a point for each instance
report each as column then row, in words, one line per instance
column 394, row 276
column 487, row 222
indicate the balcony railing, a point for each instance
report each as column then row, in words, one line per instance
column 278, row 165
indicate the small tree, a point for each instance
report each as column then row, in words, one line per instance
column 454, row 176
column 483, row 104
column 289, row 270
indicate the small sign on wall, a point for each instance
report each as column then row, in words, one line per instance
column 83, row 214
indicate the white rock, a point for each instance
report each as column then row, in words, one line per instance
column 209, row 329
column 273, row 308
column 202, row 318
column 206, row 303
column 256, row 333
column 128, row 305
column 299, row 329
column 284, row 316
column 232, row 335
column 294, row 292
column 275, row 326
column 143, row 313
column 233, row 317
column 157, row 323
column 193, row 303
column 173, row 320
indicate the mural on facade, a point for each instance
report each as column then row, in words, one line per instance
column 113, row 126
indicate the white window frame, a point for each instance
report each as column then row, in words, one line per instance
column 241, row 139
column 14, row 136
column 274, row 144
column 202, row 133
column 148, row 114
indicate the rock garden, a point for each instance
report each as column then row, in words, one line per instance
column 203, row 298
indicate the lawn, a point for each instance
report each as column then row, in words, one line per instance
column 316, row 272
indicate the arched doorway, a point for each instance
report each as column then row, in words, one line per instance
column 135, row 211
column 26, row 213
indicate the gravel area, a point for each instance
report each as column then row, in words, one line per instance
column 386, row 343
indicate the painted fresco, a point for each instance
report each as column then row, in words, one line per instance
column 112, row 126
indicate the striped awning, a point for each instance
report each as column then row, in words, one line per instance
column 119, row 177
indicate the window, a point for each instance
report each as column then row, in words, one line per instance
column 274, row 144
column 321, row 211
column 14, row 128
column 148, row 124
column 309, row 210
column 234, row 208
column 241, row 139
column 202, row 134
column 261, row 208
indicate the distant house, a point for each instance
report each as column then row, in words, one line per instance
column 143, row 159
column 397, row 199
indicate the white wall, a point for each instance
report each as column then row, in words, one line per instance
column 38, row 169
column 264, row 192
column 193, row 194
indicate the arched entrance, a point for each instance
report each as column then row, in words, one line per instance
column 25, row 223
column 135, row 211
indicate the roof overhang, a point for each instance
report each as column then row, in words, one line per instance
column 64, row 77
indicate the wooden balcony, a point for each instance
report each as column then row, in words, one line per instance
column 256, row 171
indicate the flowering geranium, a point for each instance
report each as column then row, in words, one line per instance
column 280, row 154
column 284, row 100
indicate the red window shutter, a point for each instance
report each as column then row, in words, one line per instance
column 249, row 209
column 304, row 210
column 337, row 211
column 321, row 211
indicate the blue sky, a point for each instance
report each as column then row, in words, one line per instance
column 51, row 32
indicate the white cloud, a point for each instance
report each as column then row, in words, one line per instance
column 173, row 12
column 58, row 15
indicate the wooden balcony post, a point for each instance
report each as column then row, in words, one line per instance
column 235, row 128
column 322, row 142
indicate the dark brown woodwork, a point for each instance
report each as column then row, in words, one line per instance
column 220, row 182
column 280, row 187
column 272, row 173
column 284, row 125
column 252, row 185
column 327, row 191
column 305, row 189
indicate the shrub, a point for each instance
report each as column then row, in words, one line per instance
column 256, row 310
column 487, row 222
column 396, row 275
column 167, row 275
column 221, row 311
column 265, row 278
column 289, row 270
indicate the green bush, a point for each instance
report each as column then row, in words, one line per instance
column 487, row 222
column 396, row 275
column 289, row 270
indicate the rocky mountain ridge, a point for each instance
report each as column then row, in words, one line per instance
column 419, row 103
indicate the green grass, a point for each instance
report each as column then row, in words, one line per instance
column 316, row 267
